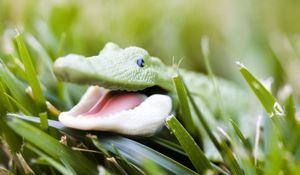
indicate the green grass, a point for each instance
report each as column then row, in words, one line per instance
column 183, row 102
column 52, row 147
column 195, row 154
column 119, row 155
column 30, row 72
column 30, row 134
column 268, row 101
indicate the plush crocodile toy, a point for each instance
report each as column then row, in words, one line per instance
column 131, row 91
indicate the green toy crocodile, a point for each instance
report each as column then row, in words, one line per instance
column 123, row 98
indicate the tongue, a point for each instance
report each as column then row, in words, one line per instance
column 113, row 102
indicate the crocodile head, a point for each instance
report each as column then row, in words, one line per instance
column 115, row 100
column 115, row 68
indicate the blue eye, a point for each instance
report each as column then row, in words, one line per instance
column 140, row 62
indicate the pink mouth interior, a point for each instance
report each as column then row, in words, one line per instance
column 112, row 102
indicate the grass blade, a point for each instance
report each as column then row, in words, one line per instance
column 44, row 120
column 99, row 146
column 19, row 105
column 274, row 153
column 49, row 160
column 184, row 105
column 127, row 147
column 126, row 165
column 45, row 62
column 17, row 89
column 195, row 154
column 30, row 72
column 152, row 168
column 290, row 111
column 206, row 53
column 51, row 146
column 257, row 139
column 223, row 149
column 11, row 138
column 292, row 125
column 168, row 144
column 4, row 101
column 245, row 141
column 268, row 101
column 32, row 79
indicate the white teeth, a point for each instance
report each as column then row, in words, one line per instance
column 145, row 119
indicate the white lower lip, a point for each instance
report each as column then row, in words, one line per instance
column 145, row 119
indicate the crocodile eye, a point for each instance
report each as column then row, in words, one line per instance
column 140, row 62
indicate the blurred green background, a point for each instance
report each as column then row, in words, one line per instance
column 264, row 35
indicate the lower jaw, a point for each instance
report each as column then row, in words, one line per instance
column 144, row 119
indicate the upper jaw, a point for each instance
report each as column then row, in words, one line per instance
column 144, row 119
column 96, row 71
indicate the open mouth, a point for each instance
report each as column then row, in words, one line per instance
column 131, row 113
